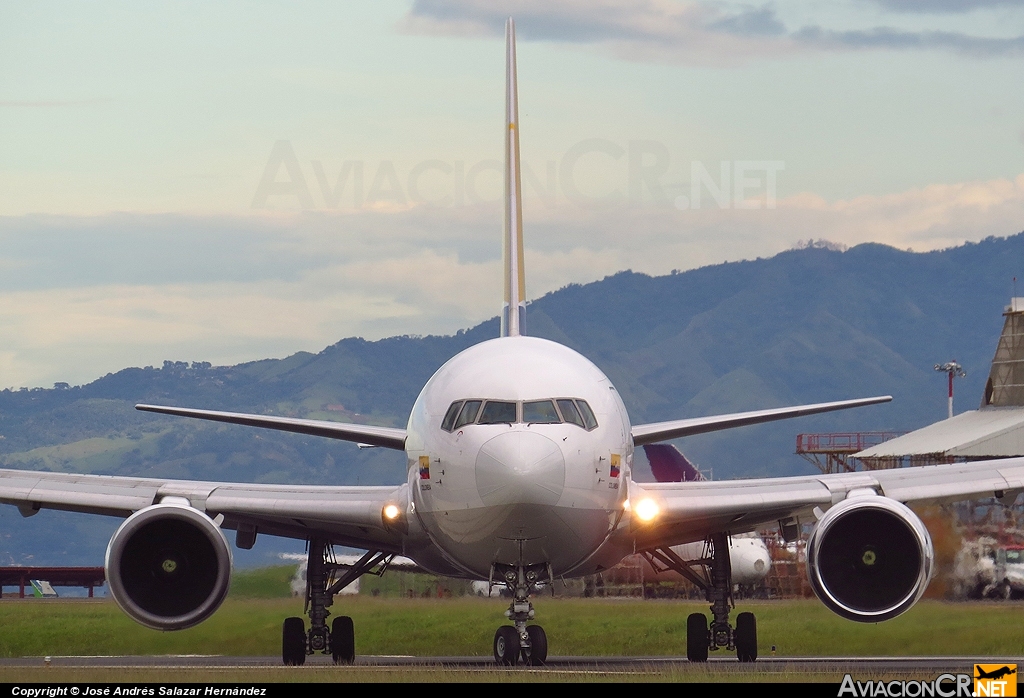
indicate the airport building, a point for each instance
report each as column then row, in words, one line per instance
column 994, row 430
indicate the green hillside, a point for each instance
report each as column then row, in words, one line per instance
column 806, row 325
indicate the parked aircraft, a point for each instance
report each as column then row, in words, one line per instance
column 519, row 472
column 749, row 561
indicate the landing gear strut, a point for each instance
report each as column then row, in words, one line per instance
column 325, row 578
column 520, row 641
column 715, row 579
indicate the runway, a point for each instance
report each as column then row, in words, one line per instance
column 831, row 665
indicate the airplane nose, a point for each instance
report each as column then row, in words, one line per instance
column 520, row 467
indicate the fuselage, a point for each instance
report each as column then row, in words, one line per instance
column 507, row 467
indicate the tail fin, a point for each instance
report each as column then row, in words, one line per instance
column 668, row 464
column 513, row 313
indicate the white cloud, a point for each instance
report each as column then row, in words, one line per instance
column 313, row 279
column 944, row 6
column 660, row 30
column 694, row 33
column 935, row 216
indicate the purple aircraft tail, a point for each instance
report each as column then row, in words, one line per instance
column 669, row 464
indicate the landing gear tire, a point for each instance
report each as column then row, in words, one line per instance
column 697, row 637
column 538, row 646
column 343, row 640
column 293, row 642
column 506, row 646
column 746, row 637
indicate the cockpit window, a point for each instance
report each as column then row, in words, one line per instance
column 449, row 418
column 468, row 414
column 570, row 413
column 568, row 410
column 495, row 412
column 588, row 414
column 540, row 412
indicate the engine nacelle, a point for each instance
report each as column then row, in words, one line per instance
column 168, row 566
column 869, row 558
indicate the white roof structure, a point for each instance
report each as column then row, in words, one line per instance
column 994, row 431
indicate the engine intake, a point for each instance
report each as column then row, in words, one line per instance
column 168, row 566
column 869, row 558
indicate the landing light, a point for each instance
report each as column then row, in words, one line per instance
column 646, row 509
column 391, row 512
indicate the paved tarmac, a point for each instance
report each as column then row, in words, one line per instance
column 853, row 665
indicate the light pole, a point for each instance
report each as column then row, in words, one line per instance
column 951, row 368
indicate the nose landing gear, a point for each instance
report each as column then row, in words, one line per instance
column 715, row 579
column 528, row 643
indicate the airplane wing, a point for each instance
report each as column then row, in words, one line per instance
column 386, row 437
column 689, row 511
column 663, row 431
column 389, row 437
column 348, row 515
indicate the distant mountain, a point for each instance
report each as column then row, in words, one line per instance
column 807, row 325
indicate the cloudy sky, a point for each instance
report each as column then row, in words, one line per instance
column 230, row 181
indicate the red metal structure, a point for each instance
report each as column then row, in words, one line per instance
column 831, row 452
column 86, row 577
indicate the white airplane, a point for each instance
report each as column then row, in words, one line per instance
column 749, row 561
column 519, row 455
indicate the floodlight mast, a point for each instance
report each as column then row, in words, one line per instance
column 951, row 368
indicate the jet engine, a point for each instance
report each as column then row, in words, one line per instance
column 869, row 558
column 168, row 566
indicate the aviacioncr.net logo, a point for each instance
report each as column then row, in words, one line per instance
column 943, row 686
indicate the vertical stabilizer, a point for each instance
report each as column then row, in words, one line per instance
column 513, row 313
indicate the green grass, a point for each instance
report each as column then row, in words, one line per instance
column 262, row 583
column 465, row 626
column 398, row 583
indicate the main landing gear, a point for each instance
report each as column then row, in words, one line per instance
column 323, row 581
column 715, row 579
column 520, row 642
